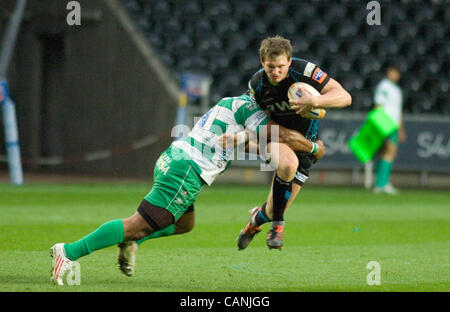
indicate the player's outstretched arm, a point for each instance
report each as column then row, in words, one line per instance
column 294, row 139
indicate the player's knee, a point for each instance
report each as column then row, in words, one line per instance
column 389, row 152
column 136, row 228
column 183, row 228
column 142, row 233
column 287, row 167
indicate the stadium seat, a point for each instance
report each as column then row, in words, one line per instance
column 366, row 65
column 443, row 103
column 226, row 26
column 277, row 9
column 161, row 9
column 207, row 44
column 216, row 9
column 284, row 26
column 223, row 37
column 188, row 8
column 235, row 43
column 243, row 9
column 218, row 61
column 361, row 100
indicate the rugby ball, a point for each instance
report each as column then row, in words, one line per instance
column 294, row 93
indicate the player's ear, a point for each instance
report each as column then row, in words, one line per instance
column 290, row 61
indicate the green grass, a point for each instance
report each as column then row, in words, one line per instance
column 331, row 235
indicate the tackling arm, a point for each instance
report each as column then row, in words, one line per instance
column 297, row 141
column 294, row 139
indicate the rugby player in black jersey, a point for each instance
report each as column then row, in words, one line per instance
column 269, row 88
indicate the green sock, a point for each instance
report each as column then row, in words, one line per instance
column 383, row 173
column 108, row 234
column 170, row 230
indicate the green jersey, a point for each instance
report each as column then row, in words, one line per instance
column 229, row 115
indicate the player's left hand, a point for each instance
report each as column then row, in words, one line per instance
column 304, row 104
column 321, row 152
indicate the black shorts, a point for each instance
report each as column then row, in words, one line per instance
column 158, row 218
column 305, row 161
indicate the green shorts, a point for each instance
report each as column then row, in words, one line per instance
column 393, row 138
column 176, row 184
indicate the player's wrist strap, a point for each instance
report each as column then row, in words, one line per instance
column 315, row 148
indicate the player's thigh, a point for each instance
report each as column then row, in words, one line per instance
column 186, row 221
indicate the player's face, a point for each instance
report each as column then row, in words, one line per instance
column 277, row 68
column 393, row 75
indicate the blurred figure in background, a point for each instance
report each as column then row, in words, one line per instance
column 388, row 95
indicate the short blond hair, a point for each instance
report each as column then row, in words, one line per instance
column 272, row 47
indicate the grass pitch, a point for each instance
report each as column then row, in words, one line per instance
column 331, row 235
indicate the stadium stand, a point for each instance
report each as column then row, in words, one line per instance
column 221, row 38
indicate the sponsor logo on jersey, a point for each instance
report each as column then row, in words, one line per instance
column 251, row 106
column 163, row 163
column 319, row 75
column 283, row 106
column 309, row 69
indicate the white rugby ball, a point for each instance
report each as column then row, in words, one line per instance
column 294, row 93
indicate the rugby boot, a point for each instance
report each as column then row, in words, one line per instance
column 126, row 257
column 61, row 264
column 249, row 231
column 275, row 236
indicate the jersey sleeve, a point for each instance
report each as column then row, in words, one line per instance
column 308, row 72
column 251, row 116
column 381, row 95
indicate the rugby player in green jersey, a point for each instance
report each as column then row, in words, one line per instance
column 180, row 174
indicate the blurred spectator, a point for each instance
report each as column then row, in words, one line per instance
column 388, row 96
